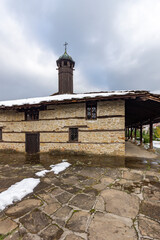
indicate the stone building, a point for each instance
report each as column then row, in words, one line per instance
column 89, row 122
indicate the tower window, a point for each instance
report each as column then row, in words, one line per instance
column 91, row 110
column 73, row 134
column 32, row 115
column 65, row 63
column 0, row 134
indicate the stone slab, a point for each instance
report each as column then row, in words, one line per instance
column 63, row 212
column 35, row 221
column 70, row 188
column 93, row 172
column 14, row 236
column 51, row 232
column 88, row 182
column 23, row 207
column 29, row 236
column 113, row 173
column 48, row 198
column 133, row 175
column 149, row 228
column 73, row 237
column 120, row 203
column 90, row 191
column 150, row 209
column 100, row 204
column 78, row 221
column 7, row 226
column 111, row 227
column 83, row 201
column 64, row 197
column 51, row 208
column 70, row 179
column 56, row 191
column 151, row 196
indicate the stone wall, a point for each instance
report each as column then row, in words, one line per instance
column 105, row 135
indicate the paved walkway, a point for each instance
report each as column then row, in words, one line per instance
column 132, row 150
column 86, row 203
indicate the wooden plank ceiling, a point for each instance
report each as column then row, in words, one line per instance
column 141, row 111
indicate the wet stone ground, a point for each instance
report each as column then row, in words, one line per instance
column 89, row 200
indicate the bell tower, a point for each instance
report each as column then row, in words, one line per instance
column 65, row 69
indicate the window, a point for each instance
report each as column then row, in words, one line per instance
column 73, row 134
column 65, row 63
column 0, row 134
column 91, row 110
column 32, row 115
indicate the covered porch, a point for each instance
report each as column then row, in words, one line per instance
column 132, row 150
column 140, row 111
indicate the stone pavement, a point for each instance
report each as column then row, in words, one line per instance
column 86, row 202
column 132, row 150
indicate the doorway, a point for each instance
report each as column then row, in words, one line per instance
column 32, row 143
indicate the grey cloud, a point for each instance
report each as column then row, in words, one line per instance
column 17, row 86
column 92, row 30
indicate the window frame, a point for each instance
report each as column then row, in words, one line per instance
column 32, row 115
column 91, row 105
column 70, row 133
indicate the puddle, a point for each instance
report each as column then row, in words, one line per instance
column 22, row 161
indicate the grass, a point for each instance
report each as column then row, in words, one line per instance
column 92, row 211
column 74, row 211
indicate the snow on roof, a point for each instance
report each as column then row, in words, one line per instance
column 64, row 97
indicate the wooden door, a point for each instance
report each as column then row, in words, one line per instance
column 32, row 143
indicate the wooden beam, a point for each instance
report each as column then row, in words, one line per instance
column 141, row 111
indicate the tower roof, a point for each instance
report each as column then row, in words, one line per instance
column 65, row 55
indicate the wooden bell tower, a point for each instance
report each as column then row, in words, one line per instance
column 65, row 73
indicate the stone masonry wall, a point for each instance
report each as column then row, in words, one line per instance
column 105, row 135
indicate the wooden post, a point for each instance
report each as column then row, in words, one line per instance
column 141, row 135
column 135, row 134
column 126, row 133
column 151, row 135
column 131, row 133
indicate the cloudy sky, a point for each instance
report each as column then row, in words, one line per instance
column 115, row 44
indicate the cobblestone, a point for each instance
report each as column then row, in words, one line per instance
column 85, row 203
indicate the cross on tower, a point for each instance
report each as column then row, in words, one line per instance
column 65, row 44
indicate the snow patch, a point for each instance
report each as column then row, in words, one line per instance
column 57, row 168
column 42, row 173
column 20, row 189
column 156, row 144
column 154, row 163
column 17, row 191
column 145, row 161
